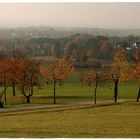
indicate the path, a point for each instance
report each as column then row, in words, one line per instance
column 15, row 108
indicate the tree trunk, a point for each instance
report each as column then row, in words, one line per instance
column 116, row 90
column 1, row 104
column 32, row 89
column 96, row 84
column 4, row 93
column 14, row 92
column 5, row 99
column 138, row 95
column 28, row 99
column 54, row 91
column 31, row 86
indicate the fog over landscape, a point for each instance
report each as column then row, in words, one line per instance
column 95, row 15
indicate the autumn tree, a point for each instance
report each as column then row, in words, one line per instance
column 120, row 69
column 58, row 72
column 6, row 78
column 90, row 78
column 136, row 71
column 29, row 74
column 14, row 68
column 93, row 77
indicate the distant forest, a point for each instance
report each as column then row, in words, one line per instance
column 83, row 48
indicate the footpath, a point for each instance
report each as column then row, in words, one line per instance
column 30, row 107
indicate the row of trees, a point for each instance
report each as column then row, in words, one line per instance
column 23, row 73
column 26, row 73
column 121, row 71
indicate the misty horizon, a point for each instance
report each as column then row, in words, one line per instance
column 71, row 15
column 63, row 27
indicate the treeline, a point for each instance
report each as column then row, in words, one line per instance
column 26, row 73
column 82, row 47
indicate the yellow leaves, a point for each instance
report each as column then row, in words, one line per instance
column 120, row 66
column 136, row 55
column 60, row 71
column 136, row 72
column 136, row 67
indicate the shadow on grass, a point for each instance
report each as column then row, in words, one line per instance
column 59, row 109
column 62, row 97
column 86, row 106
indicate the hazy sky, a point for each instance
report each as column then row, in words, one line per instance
column 102, row 15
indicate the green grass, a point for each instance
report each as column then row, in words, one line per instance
column 73, row 93
column 104, row 120
column 85, row 121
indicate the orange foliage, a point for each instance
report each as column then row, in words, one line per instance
column 23, row 72
column 136, row 66
column 136, row 72
column 120, row 66
column 89, row 78
column 58, row 72
column 28, row 73
column 8, row 71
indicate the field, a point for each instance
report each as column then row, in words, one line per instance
column 83, row 121
column 67, row 119
column 106, row 119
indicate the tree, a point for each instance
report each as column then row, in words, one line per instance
column 58, row 72
column 136, row 71
column 93, row 77
column 6, row 77
column 89, row 78
column 120, row 69
column 14, row 67
column 105, row 49
column 29, row 74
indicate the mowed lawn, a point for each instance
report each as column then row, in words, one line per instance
column 105, row 120
column 73, row 93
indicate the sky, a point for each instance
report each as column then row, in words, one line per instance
column 96, row 15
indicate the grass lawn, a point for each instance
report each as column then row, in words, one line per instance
column 74, row 93
column 108, row 120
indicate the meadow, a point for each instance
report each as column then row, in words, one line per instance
column 107, row 120
column 103, row 120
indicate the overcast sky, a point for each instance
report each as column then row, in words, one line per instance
column 101, row 15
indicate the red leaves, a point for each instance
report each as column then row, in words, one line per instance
column 8, row 71
column 13, row 70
